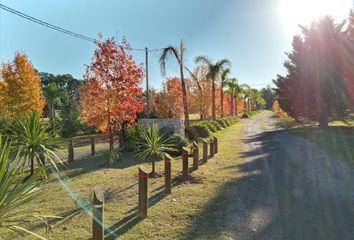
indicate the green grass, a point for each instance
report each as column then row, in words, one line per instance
column 337, row 140
column 194, row 116
column 176, row 216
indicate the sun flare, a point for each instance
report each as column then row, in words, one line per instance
column 301, row 12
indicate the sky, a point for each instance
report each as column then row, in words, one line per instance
column 253, row 34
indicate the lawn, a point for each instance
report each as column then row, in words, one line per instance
column 189, row 213
column 337, row 139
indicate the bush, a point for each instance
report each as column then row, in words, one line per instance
column 179, row 141
column 216, row 125
column 223, row 122
column 198, row 130
column 111, row 156
column 131, row 137
column 210, row 126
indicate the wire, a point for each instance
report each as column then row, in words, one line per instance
column 59, row 29
column 46, row 24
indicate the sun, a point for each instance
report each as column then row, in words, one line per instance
column 302, row 12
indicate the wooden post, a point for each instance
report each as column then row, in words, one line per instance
column 212, row 147
column 216, row 145
column 143, row 193
column 195, row 155
column 97, row 215
column 184, row 163
column 93, row 147
column 168, row 182
column 205, row 151
column 71, row 150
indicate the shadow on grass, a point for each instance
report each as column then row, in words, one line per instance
column 272, row 199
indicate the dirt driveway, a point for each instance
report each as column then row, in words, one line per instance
column 289, row 189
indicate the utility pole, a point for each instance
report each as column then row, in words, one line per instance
column 147, row 79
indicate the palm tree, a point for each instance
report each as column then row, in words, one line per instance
column 36, row 143
column 153, row 144
column 54, row 95
column 224, row 79
column 15, row 193
column 178, row 54
column 246, row 91
column 214, row 71
column 236, row 94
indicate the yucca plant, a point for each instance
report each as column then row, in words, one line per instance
column 153, row 144
column 36, row 143
column 15, row 193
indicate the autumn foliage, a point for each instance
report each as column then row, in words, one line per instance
column 20, row 88
column 111, row 94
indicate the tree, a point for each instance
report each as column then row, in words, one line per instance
column 236, row 94
column 110, row 94
column 70, row 119
column 224, row 79
column 174, row 96
column 246, row 92
column 36, row 143
column 213, row 74
column 54, row 96
column 315, row 85
column 268, row 95
column 20, row 90
column 178, row 54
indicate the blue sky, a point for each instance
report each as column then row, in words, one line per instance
column 248, row 32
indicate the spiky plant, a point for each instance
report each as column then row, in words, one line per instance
column 15, row 193
column 36, row 143
column 153, row 144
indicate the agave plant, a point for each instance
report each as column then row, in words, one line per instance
column 15, row 193
column 153, row 144
column 36, row 143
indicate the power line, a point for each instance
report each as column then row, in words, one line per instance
column 59, row 29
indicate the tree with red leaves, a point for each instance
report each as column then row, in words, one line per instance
column 110, row 95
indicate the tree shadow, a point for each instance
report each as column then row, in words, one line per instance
column 273, row 198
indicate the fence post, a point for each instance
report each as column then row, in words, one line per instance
column 97, row 215
column 195, row 155
column 184, row 163
column 71, row 150
column 216, row 145
column 93, row 147
column 205, row 151
column 212, row 147
column 168, row 182
column 143, row 193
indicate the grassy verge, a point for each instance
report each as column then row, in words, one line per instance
column 169, row 217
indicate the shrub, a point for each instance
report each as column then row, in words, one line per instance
column 110, row 157
column 223, row 122
column 202, row 130
column 216, row 125
column 192, row 133
column 131, row 137
column 210, row 126
column 179, row 141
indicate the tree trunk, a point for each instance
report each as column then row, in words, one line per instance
column 222, row 102
column 236, row 110
column 213, row 98
column 32, row 165
column 232, row 105
column 153, row 167
column 184, row 92
column 324, row 119
column 111, row 141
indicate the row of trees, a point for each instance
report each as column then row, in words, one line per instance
column 110, row 96
column 319, row 84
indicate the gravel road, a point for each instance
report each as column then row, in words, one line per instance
column 289, row 189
